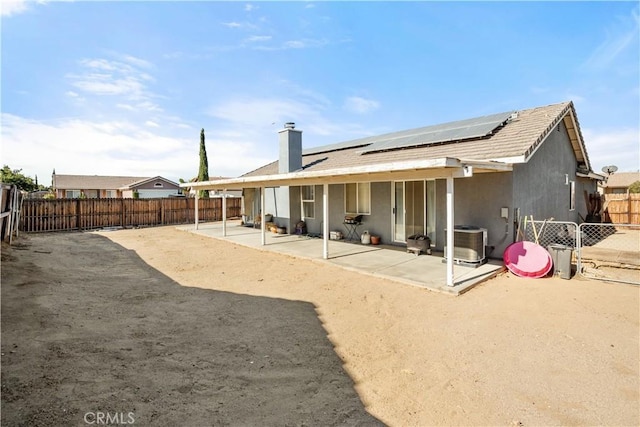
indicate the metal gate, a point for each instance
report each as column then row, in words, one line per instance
column 608, row 252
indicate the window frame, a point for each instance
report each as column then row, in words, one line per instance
column 572, row 195
column 304, row 201
column 359, row 209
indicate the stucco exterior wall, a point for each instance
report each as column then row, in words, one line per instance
column 539, row 186
column 154, row 194
column 478, row 202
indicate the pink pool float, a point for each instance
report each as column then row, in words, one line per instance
column 527, row 259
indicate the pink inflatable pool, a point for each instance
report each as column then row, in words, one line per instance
column 527, row 259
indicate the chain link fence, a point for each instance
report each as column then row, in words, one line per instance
column 546, row 233
column 598, row 251
column 610, row 252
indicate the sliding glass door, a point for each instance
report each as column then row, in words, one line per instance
column 413, row 209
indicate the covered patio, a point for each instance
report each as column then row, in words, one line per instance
column 444, row 168
column 390, row 262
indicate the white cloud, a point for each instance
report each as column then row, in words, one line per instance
column 620, row 147
column 253, row 39
column 619, row 37
column 101, row 76
column 74, row 146
column 296, row 44
column 257, row 120
column 75, row 96
column 250, row 7
column 240, row 25
column 13, row 7
column 359, row 105
column 126, row 107
column 152, row 124
column 138, row 62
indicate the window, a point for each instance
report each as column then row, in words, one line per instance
column 357, row 198
column 111, row 194
column 72, row 194
column 307, row 195
column 572, row 195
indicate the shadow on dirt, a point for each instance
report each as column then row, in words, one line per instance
column 90, row 330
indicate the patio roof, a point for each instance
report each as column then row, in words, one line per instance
column 404, row 170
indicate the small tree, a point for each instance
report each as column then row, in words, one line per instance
column 16, row 177
column 203, row 171
column 635, row 187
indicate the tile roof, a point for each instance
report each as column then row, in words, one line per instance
column 93, row 182
column 622, row 179
column 519, row 137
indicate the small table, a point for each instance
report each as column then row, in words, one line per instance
column 352, row 230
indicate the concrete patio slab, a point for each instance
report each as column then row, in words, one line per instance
column 386, row 261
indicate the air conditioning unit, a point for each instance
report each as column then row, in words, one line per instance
column 469, row 244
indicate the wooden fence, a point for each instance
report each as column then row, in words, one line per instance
column 11, row 199
column 623, row 208
column 85, row 214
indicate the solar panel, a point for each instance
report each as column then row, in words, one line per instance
column 337, row 146
column 453, row 131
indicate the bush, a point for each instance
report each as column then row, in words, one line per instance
column 635, row 187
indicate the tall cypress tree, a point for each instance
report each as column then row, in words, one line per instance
column 203, row 172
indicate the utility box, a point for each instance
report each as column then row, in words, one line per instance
column 561, row 256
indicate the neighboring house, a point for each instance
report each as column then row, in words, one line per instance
column 487, row 172
column 619, row 182
column 95, row 186
column 149, row 188
column 214, row 193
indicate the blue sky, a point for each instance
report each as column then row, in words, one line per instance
column 123, row 88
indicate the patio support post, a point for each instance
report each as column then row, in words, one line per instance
column 196, row 212
column 224, row 213
column 263, row 226
column 449, row 237
column 325, row 221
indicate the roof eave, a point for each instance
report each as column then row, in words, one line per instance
column 424, row 168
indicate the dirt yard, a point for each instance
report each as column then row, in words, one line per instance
column 164, row 327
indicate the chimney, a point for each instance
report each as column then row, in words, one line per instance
column 290, row 159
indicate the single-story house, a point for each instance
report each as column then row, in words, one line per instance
column 619, row 182
column 478, row 176
column 95, row 186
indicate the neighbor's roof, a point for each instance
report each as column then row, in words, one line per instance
column 514, row 139
column 622, row 179
column 146, row 180
column 93, row 182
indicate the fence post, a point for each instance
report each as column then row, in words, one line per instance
column 78, row 216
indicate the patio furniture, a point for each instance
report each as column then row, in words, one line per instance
column 351, row 225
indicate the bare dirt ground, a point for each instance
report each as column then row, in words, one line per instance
column 184, row 329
